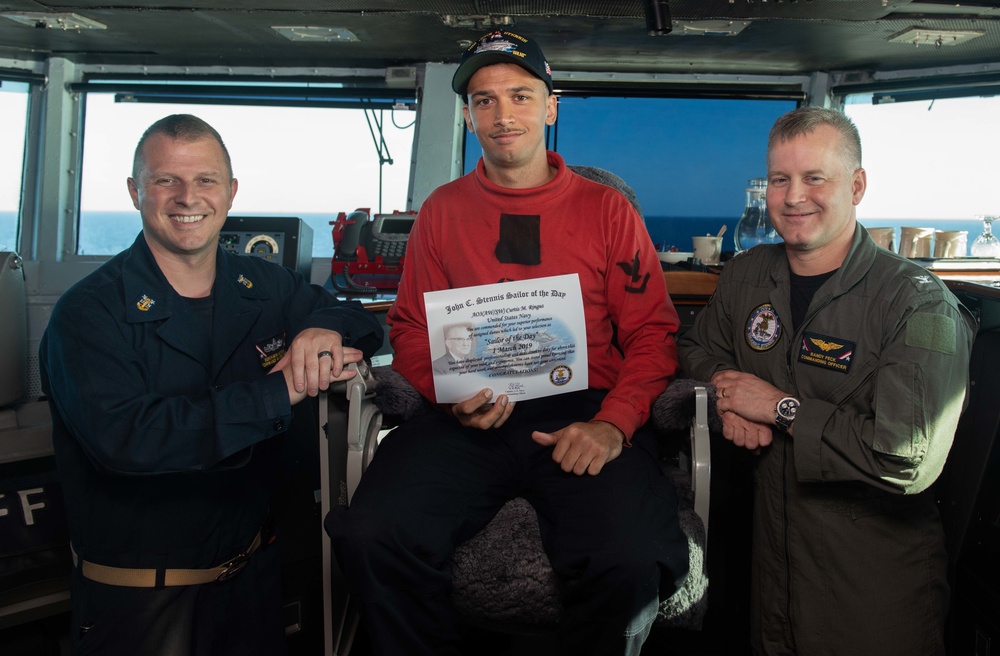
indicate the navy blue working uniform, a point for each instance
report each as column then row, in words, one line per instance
column 163, row 423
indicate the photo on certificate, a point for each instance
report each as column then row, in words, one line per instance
column 526, row 339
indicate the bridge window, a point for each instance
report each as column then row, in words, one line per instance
column 309, row 162
column 688, row 159
column 14, row 111
column 929, row 160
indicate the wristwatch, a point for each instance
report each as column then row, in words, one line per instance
column 785, row 411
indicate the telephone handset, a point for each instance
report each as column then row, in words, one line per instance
column 350, row 235
column 369, row 254
column 384, row 236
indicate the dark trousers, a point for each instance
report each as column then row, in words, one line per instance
column 238, row 617
column 613, row 538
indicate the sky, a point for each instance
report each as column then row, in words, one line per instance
column 930, row 159
column 294, row 160
column 13, row 105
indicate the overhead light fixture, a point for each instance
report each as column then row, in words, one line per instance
column 401, row 77
column 920, row 36
column 316, row 34
column 479, row 22
column 40, row 20
column 709, row 27
column 658, row 21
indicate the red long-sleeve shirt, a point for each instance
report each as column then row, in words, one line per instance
column 583, row 227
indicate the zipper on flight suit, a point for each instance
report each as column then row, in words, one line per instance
column 790, row 375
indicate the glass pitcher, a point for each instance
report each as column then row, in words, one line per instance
column 754, row 226
column 986, row 244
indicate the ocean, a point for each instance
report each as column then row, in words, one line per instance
column 107, row 233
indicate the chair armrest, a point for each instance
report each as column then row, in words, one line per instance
column 352, row 423
column 701, row 459
column 364, row 421
column 349, row 424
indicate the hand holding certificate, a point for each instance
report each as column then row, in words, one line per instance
column 525, row 339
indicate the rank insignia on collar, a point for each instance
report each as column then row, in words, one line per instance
column 763, row 328
column 243, row 280
column 145, row 303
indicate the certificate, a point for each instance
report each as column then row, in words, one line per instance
column 526, row 339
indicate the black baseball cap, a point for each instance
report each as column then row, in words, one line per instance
column 501, row 47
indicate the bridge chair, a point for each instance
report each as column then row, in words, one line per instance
column 34, row 544
column 502, row 580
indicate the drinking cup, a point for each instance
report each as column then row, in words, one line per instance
column 708, row 249
column 950, row 243
column 883, row 237
column 915, row 242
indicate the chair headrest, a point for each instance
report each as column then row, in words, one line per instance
column 611, row 180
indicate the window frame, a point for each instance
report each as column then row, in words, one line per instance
column 293, row 92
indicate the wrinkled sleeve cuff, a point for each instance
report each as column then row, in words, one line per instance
column 274, row 396
column 622, row 415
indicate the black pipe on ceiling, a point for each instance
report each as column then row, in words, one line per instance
column 658, row 17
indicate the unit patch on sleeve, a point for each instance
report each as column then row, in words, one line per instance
column 633, row 270
column 826, row 352
column 763, row 328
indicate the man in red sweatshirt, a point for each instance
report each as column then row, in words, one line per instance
column 582, row 459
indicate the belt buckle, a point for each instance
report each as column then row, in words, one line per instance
column 232, row 567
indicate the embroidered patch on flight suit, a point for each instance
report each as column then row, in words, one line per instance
column 934, row 332
column 243, row 280
column 763, row 328
column 271, row 350
column 145, row 303
column 826, row 352
column 633, row 270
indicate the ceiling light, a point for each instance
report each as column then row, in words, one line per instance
column 320, row 34
column 479, row 22
column 919, row 36
column 42, row 20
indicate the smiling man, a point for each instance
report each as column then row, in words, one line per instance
column 845, row 366
column 608, row 515
column 171, row 372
